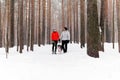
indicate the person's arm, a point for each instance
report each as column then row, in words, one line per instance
column 58, row 35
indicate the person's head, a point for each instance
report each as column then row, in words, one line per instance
column 54, row 30
column 65, row 28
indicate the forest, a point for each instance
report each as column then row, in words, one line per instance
column 30, row 22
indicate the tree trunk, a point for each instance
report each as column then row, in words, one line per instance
column 39, row 23
column 49, row 21
column 113, row 32
column 28, row 27
column 106, row 30
column 32, row 25
column 26, row 21
column 82, row 8
column 43, row 21
column 118, row 21
column 70, row 20
column 0, row 28
column 92, row 29
column 76, row 22
column 74, row 25
column 63, row 20
column 7, row 4
column 18, row 24
column 21, row 26
column 68, row 13
column 102, row 21
column 12, row 24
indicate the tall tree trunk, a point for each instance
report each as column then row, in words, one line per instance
column 110, row 21
column 68, row 13
column 63, row 20
column 0, row 28
column 70, row 20
column 74, row 25
column 43, row 21
column 76, row 22
column 26, row 21
column 28, row 27
column 82, row 13
column 118, row 21
column 92, row 29
column 106, row 30
column 7, row 4
column 39, row 23
column 32, row 25
column 21, row 26
column 113, row 32
column 12, row 24
column 18, row 24
column 102, row 23
column 49, row 21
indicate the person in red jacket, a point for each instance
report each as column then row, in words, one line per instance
column 55, row 39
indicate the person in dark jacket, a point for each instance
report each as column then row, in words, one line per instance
column 65, row 38
column 55, row 38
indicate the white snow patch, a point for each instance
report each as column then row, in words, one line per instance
column 74, row 65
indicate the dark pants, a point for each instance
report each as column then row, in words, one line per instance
column 64, row 45
column 54, row 46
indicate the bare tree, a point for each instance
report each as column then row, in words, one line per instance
column 18, row 22
column 39, row 23
column 49, row 21
column 12, row 23
column 74, row 25
column 63, row 20
column 70, row 19
column 82, row 12
column 7, row 5
column 118, row 21
column 21, row 26
column 92, row 29
column 76, row 22
column 113, row 32
column 0, row 27
column 28, row 27
column 43, row 21
column 102, row 23
column 32, row 25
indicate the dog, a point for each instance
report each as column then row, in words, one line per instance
column 59, row 48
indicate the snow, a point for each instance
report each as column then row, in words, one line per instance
column 74, row 65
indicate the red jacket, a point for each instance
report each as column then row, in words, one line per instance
column 55, row 36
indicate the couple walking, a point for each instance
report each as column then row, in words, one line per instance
column 64, row 37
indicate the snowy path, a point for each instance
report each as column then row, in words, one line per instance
column 74, row 65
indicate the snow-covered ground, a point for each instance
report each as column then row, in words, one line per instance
column 74, row 65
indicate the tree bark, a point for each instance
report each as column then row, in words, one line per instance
column 43, row 21
column 102, row 23
column 21, row 26
column 63, row 20
column 32, row 25
column 0, row 28
column 92, row 29
column 28, row 27
column 39, row 23
column 12, row 24
column 118, row 21
column 49, row 22
column 70, row 20
column 76, row 22
column 113, row 32
column 82, row 13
